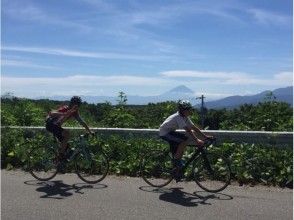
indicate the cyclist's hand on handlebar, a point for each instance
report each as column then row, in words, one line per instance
column 211, row 138
column 92, row 133
column 199, row 143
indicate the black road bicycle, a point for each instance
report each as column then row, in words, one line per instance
column 210, row 170
column 90, row 162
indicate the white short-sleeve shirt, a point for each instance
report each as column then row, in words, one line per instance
column 174, row 122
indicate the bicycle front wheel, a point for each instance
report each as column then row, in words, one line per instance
column 42, row 163
column 92, row 168
column 212, row 172
column 156, row 168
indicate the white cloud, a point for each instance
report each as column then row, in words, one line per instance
column 200, row 74
column 26, row 11
column 23, row 63
column 268, row 17
column 212, row 84
column 81, row 80
column 76, row 53
column 279, row 79
column 233, row 78
column 83, row 85
column 284, row 76
column 212, row 96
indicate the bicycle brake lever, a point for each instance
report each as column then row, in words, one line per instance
column 209, row 141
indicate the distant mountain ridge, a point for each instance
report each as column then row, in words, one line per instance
column 179, row 92
column 183, row 92
column 281, row 94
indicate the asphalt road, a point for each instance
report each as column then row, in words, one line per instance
column 67, row 197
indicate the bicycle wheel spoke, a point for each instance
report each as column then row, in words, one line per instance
column 212, row 172
column 41, row 163
column 156, row 168
column 92, row 168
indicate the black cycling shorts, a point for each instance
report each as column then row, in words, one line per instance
column 174, row 139
column 55, row 129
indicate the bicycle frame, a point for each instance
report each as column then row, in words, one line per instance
column 192, row 158
column 80, row 145
column 87, row 166
column 158, row 168
column 196, row 154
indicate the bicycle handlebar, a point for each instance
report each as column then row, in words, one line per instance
column 209, row 141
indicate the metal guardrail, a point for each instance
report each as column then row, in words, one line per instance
column 278, row 139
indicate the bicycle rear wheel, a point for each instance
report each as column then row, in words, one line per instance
column 42, row 163
column 212, row 172
column 156, row 168
column 92, row 168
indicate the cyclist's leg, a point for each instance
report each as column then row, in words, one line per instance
column 180, row 149
column 172, row 145
column 180, row 140
column 177, row 142
column 62, row 136
column 64, row 140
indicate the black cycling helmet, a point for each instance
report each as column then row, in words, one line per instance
column 184, row 105
column 75, row 100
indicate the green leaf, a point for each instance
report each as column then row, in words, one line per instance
column 11, row 154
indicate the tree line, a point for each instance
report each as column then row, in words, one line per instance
column 268, row 115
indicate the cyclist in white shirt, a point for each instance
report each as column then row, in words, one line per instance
column 178, row 141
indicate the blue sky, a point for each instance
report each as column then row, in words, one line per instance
column 95, row 47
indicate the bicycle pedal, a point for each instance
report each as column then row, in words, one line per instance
column 61, row 168
column 177, row 174
column 179, row 180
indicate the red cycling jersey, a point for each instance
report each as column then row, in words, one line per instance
column 63, row 109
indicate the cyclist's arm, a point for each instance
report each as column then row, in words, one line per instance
column 190, row 130
column 54, row 113
column 58, row 115
column 200, row 133
column 63, row 116
column 82, row 122
column 194, row 131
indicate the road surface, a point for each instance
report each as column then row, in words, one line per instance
column 67, row 197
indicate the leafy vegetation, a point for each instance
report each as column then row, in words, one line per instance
column 250, row 163
column 268, row 115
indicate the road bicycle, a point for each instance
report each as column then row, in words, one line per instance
column 210, row 169
column 90, row 162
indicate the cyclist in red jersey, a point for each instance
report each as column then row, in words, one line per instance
column 56, row 118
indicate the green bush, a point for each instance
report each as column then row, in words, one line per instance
column 249, row 163
column 261, row 164
column 268, row 115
